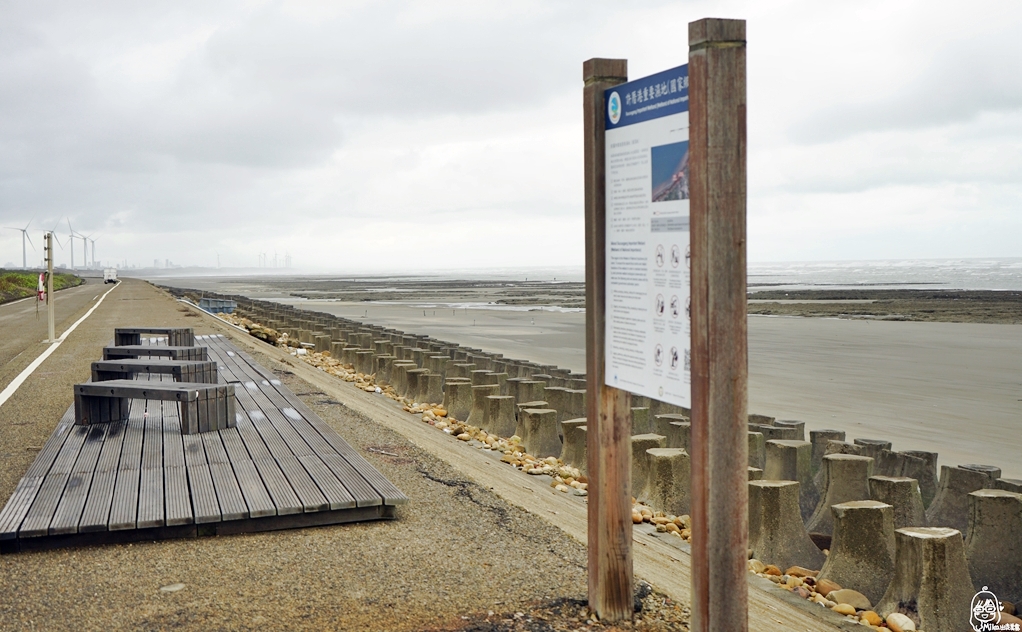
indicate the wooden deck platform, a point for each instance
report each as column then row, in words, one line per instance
column 282, row 467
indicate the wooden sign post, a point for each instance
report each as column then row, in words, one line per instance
column 682, row 133
column 719, row 344
column 608, row 409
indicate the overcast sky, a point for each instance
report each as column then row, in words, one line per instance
column 362, row 136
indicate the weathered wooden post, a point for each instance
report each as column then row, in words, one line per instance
column 609, row 426
column 719, row 327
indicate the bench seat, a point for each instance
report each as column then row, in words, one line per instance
column 137, row 351
column 204, row 372
column 202, row 407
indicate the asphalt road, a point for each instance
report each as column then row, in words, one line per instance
column 24, row 326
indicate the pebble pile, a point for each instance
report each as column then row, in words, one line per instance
column 844, row 601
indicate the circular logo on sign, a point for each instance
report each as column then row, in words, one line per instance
column 614, row 107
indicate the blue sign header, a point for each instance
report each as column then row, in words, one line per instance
column 651, row 97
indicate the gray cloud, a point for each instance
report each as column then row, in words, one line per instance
column 355, row 127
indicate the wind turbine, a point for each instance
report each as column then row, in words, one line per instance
column 24, row 236
column 71, row 240
column 93, row 250
column 85, row 246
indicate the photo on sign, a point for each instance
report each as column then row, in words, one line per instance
column 669, row 164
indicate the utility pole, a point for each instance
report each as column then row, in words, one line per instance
column 49, row 288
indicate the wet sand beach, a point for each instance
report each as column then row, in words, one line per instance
column 950, row 388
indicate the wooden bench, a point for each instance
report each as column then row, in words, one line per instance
column 204, row 372
column 176, row 336
column 173, row 353
column 202, row 407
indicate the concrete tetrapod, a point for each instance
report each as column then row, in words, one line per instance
column 931, row 582
column 1009, row 485
column 399, row 376
column 412, row 378
column 431, row 389
column 530, row 391
column 675, row 427
column 994, row 544
column 755, row 474
column 925, row 473
column 500, row 415
column 479, row 394
column 757, row 450
column 798, row 426
column 819, row 439
column 458, row 399
column 570, row 452
column 669, row 480
column 862, row 550
column 540, row 425
column 872, row 447
column 555, row 397
column 640, row 461
column 834, row 447
column 846, row 478
column 902, row 493
column 641, row 421
column 500, row 379
column 950, row 507
column 776, row 533
column 365, row 362
column 482, row 376
column 790, row 460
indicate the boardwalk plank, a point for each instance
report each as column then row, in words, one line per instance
column 150, row 499
column 234, row 445
column 195, row 452
column 17, row 506
column 312, row 499
column 41, row 464
column 252, row 488
column 72, row 503
column 204, row 503
column 284, row 497
column 360, row 489
column 37, row 522
column 124, row 505
column 179, row 502
column 110, row 454
column 336, row 494
column 152, row 438
column 173, row 444
column 228, row 493
column 96, row 514
column 215, row 452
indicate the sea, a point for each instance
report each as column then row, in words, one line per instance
column 956, row 274
column 950, row 274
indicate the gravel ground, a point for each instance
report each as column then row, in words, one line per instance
column 455, row 554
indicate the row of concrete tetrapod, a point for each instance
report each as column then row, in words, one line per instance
column 804, row 495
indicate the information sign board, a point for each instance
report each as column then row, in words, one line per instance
column 648, row 313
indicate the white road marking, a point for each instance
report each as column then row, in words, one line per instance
column 18, row 381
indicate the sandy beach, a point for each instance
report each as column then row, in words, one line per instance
column 950, row 388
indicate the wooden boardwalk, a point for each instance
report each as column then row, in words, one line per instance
column 282, row 467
